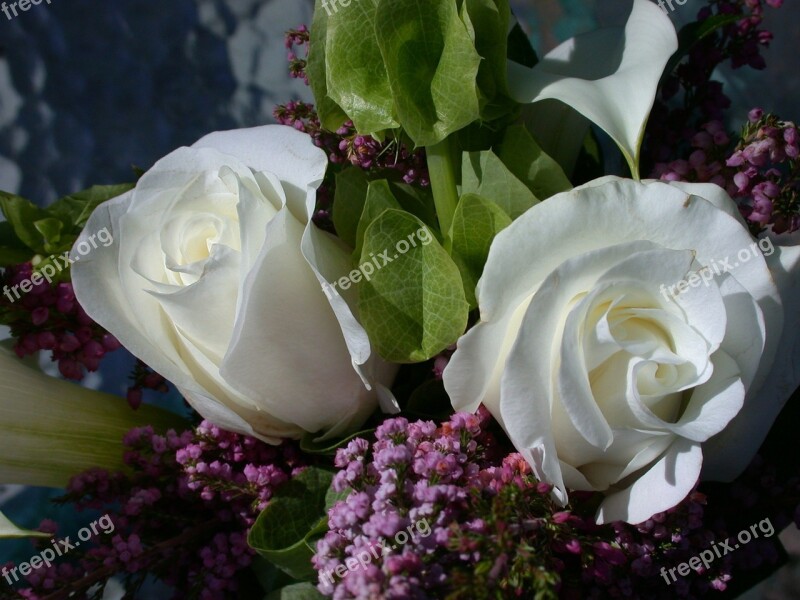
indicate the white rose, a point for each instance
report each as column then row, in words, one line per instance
column 214, row 279
column 605, row 381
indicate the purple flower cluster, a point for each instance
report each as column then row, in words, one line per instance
column 297, row 66
column 706, row 164
column 181, row 514
column 766, row 176
column 346, row 146
column 415, row 476
column 426, row 515
column 762, row 173
column 50, row 318
column 688, row 97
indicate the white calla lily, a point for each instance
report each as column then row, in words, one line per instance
column 51, row 429
column 610, row 76
column 9, row 530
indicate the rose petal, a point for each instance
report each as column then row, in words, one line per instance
column 660, row 488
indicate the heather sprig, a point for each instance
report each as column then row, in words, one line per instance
column 181, row 514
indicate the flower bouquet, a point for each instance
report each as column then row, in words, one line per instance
column 468, row 327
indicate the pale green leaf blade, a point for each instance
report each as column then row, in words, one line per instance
column 284, row 531
column 483, row 173
column 475, row 224
column 330, row 114
column 379, row 199
column 413, row 306
column 530, row 164
column 348, row 203
column 77, row 208
column 297, row 591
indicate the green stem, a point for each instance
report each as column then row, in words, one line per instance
column 442, row 170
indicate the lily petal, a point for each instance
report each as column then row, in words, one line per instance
column 610, row 76
column 51, row 430
column 9, row 530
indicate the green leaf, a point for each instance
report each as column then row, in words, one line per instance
column 379, row 199
column 284, row 531
column 476, row 223
column 483, row 173
column 348, row 203
column 330, row 114
column 531, row 165
column 51, row 430
column 76, row 209
column 488, row 21
column 22, row 214
column 332, row 497
column 432, row 67
column 413, row 305
column 12, row 250
column 9, row 530
column 328, row 447
column 417, row 201
column 356, row 77
column 297, row 591
column 50, row 230
column 691, row 34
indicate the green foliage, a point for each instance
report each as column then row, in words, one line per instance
column 484, row 174
column 30, row 230
column 379, row 199
column 521, row 155
column 413, row 306
column 429, row 68
column 285, row 532
column 477, row 221
column 348, row 203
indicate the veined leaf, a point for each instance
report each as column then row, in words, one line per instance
column 412, row 306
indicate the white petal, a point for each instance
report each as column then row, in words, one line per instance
column 254, row 423
column 286, row 325
column 128, row 312
column 618, row 211
column 663, row 486
column 279, row 149
column 729, row 453
column 610, row 76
